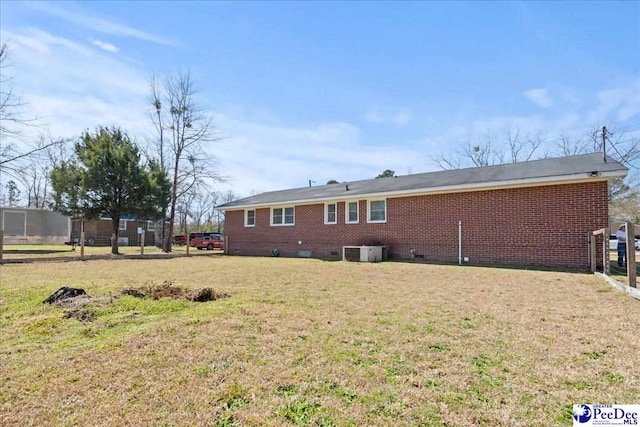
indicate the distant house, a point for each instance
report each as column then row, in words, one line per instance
column 98, row 232
column 34, row 226
column 536, row 213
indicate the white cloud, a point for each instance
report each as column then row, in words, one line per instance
column 620, row 103
column 71, row 68
column 378, row 115
column 71, row 115
column 105, row 46
column 75, row 87
column 41, row 41
column 260, row 157
column 539, row 97
column 71, row 87
column 88, row 20
column 85, row 88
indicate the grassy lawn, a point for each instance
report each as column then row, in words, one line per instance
column 58, row 251
column 307, row 342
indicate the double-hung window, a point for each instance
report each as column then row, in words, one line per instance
column 330, row 213
column 283, row 216
column 250, row 218
column 151, row 226
column 377, row 211
column 351, row 212
column 122, row 225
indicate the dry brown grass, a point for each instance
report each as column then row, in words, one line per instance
column 13, row 252
column 302, row 341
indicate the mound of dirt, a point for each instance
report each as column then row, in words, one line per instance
column 202, row 295
column 64, row 293
column 74, row 302
column 168, row 290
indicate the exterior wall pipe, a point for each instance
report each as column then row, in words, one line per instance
column 459, row 242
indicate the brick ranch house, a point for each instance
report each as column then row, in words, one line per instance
column 535, row 213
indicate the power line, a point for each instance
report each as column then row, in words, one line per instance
column 622, row 158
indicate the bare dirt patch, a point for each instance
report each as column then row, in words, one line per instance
column 168, row 289
column 74, row 301
column 79, row 305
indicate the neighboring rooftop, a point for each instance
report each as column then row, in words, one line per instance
column 546, row 171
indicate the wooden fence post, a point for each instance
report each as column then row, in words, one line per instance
column 592, row 252
column 82, row 239
column 631, row 255
column 605, row 250
column 606, row 257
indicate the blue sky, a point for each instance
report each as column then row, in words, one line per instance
column 333, row 90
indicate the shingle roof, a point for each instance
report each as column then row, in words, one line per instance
column 554, row 170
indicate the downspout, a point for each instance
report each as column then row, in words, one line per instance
column 459, row 242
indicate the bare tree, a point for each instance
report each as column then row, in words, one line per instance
column 571, row 146
column 202, row 209
column 627, row 208
column 226, row 197
column 35, row 171
column 522, row 149
column 10, row 103
column 620, row 145
column 515, row 147
column 16, row 149
column 183, row 132
column 184, row 211
column 481, row 151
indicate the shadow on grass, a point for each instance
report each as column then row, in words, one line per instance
column 36, row 251
column 578, row 270
column 621, row 271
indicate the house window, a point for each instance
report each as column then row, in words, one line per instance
column 250, row 218
column 377, row 211
column 151, row 226
column 351, row 213
column 122, row 225
column 330, row 213
column 282, row 216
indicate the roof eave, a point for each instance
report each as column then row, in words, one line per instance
column 456, row 188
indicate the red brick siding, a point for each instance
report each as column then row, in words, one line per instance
column 538, row 226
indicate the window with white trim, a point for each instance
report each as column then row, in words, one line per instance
column 151, row 226
column 351, row 212
column 330, row 213
column 122, row 225
column 250, row 218
column 377, row 210
column 283, row 216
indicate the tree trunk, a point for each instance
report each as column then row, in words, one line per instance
column 115, row 227
column 172, row 213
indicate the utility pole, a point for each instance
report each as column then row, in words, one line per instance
column 604, row 142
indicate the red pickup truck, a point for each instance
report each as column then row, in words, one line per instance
column 213, row 241
column 180, row 240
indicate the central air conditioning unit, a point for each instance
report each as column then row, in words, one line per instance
column 362, row 253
